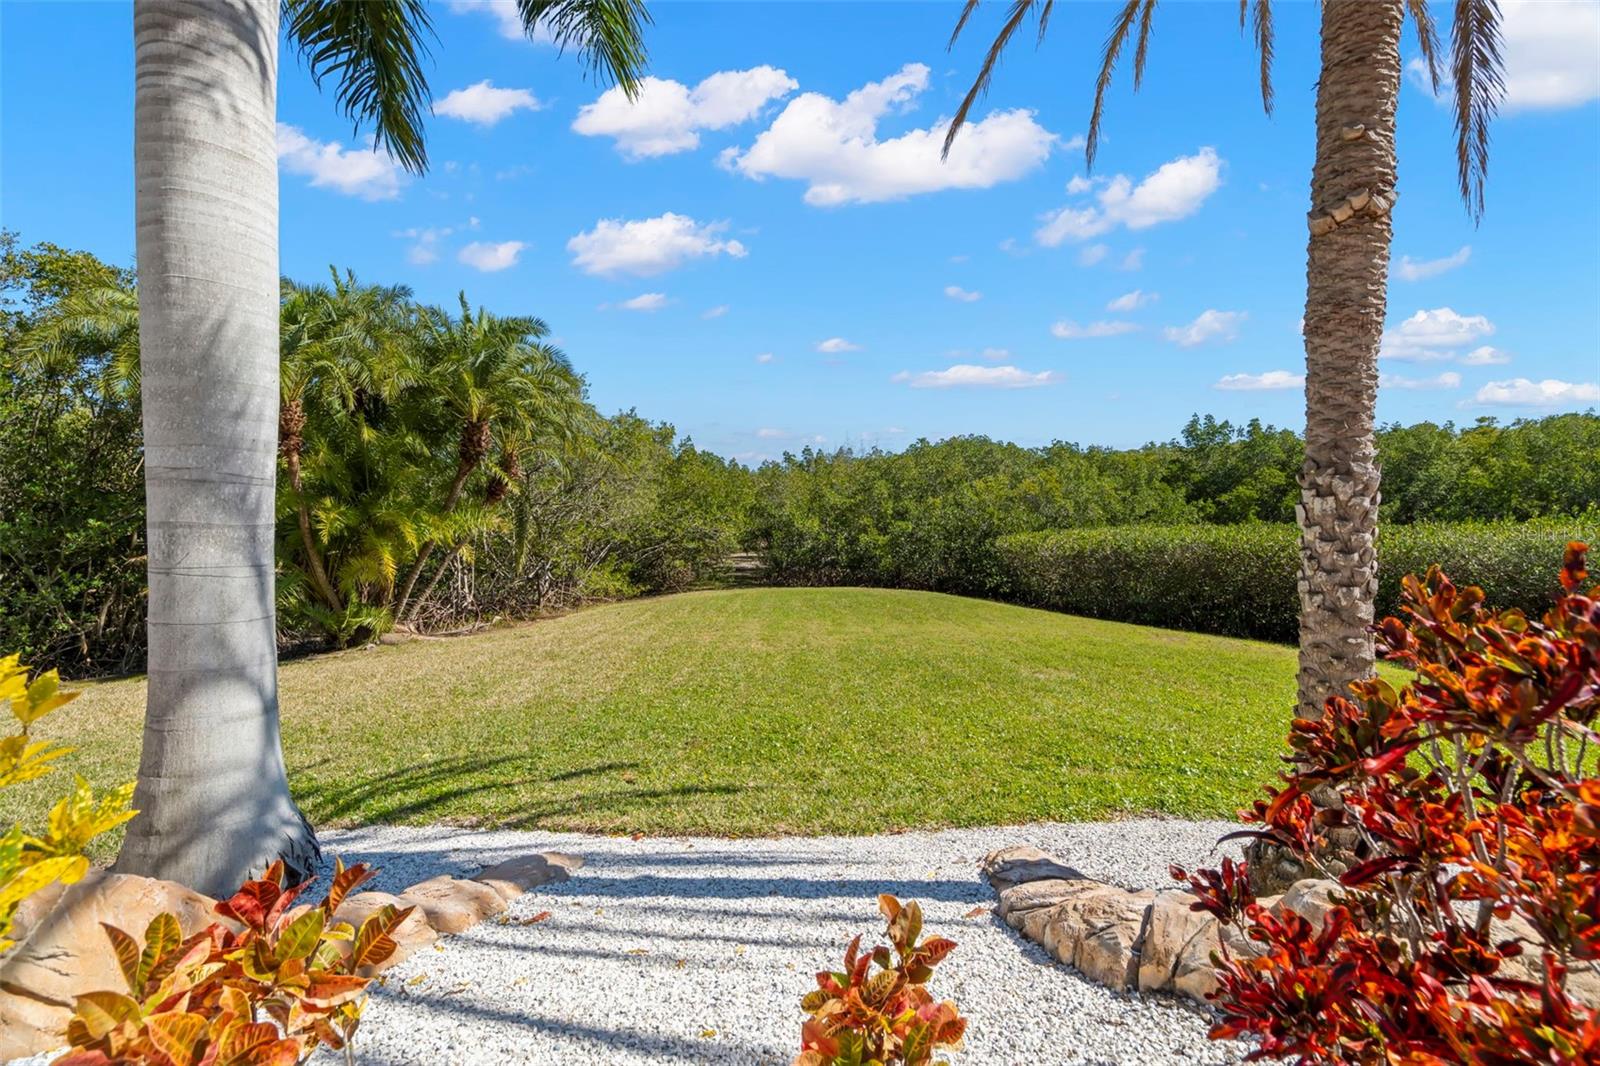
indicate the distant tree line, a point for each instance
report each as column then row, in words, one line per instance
column 443, row 467
column 928, row 517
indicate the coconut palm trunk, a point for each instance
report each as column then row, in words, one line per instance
column 1352, row 193
column 212, row 793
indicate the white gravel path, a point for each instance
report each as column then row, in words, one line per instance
column 697, row 950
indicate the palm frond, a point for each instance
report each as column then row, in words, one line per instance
column 1146, row 17
column 1427, row 38
column 607, row 34
column 980, row 85
column 1479, row 87
column 1261, row 23
column 374, row 50
column 1121, row 26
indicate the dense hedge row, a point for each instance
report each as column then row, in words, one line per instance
column 1240, row 580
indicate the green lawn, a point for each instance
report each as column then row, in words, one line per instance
column 763, row 711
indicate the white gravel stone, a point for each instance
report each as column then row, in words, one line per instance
column 697, row 950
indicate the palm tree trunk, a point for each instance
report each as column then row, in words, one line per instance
column 212, row 793
column 291, row 421
column 464, row 470
column 1347, row 270
column 1352, row 191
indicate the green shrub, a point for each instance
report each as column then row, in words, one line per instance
column 1240, row 580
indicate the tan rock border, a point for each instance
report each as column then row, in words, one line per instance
column 61, row 943
column 1144, row 941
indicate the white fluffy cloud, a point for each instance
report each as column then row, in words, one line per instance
column 1448, row 380
column 1549, row 53
column 1091, row 254
column 426, row 240
column 1210, row 325
column 833, row 146
column 489, row 256
column 1271, row 380
column 965, row 375
column 484, row 105
column 1433, row 336
column 648, row 246
column 508, row 22
column 835, row 345
column 995, row 355
column 766, row 357
column 1485, row 355
column 1421, row 269
column 667, row 116
column 369, row 174
column 966, row 296
column 715, row 312
column 1069, row 330
column 1174, row 190
column 645, row 301
column 1520, row 392
column 1132, row 301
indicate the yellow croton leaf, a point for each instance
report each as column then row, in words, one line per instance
column 23, row 759
column 79, row 817
column 29, row 703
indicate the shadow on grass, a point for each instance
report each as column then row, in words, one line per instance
column 506, row 792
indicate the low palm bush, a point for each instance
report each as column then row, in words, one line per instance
column 1241, row 580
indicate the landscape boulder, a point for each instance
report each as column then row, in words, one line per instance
column 452, row 905
column 1015, row 865
column 524, row 873
column 412, row 934
column 1311, row 898
column 1099, row 932
column 1166, row 958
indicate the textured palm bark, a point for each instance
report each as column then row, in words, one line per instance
column 1347, row 269
column 1352, row 192
column 213, row 799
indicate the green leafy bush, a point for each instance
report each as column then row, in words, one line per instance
column 1240, row 580
column 71, row 474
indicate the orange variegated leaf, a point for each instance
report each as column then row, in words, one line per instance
column 330, row 989
column 100, row 1012
column 161, row 937
column 176, row 1035
column 374, row 944
column 127, row 951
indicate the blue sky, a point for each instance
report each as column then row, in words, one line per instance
column 774, row 256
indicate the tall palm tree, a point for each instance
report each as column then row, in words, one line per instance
column 212, row 792
column 1352, row 193
column 504, row 385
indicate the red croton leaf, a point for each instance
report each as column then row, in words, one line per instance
column 1460, row 802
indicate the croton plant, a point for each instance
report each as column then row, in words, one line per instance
column 882, row 1017
column 266, row 986
column 1468, row 924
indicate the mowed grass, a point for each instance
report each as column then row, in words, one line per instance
column 761, row 711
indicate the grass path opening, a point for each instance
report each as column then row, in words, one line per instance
column 763, row 711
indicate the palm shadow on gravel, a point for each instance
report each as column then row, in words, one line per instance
column 659, row 1046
